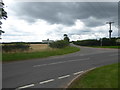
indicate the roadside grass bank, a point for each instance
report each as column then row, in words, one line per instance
column 114, row 47
column 38, row 54
column 32, row 48
column 102, row 77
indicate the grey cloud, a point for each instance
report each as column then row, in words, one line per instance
column 93, row 22
column 67, row 13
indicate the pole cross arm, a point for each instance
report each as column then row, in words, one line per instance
column 109, row 22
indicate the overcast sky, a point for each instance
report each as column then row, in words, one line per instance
column 37, row 21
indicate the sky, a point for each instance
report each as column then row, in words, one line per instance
column 36, row 21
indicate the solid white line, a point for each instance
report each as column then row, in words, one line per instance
column 63, row 77
column 43, row 82
column 78, row 72
column 60, row 62
column 27, row 86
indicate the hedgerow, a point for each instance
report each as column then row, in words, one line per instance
column 59, row 44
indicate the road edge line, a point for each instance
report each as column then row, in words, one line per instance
column 78, row 77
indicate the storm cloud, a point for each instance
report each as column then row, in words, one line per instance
column 35, row 21
column 68, row 13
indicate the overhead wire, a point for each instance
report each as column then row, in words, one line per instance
column 109, row 19
column 97, row 10
column 100, row 10
column 104, row 10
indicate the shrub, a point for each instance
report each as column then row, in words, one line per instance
column 17, row 46
column 59, row 44
column 109, row 42
column 87, row 42
column 93, row 42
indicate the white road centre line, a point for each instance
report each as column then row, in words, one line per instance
column 43, row 82
column 78, row 73
column 63, row 77
column 40, row 65
column 61, row 62
column 26, row 86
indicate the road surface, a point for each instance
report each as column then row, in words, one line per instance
column 55, row 71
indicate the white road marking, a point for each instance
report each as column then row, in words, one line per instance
column 50, row 80
column 40, row 65
column 27, row 86
column 43, row 82
column 63, row 77
column 77, row 73
column 60, row 62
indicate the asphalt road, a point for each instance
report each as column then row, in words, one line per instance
column 55, row 71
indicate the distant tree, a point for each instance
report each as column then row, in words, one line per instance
column 59, row 44
column 65, row 35
column 66, row 38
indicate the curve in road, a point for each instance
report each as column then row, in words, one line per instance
column 55, row 71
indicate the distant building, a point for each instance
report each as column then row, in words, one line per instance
column 47, row 41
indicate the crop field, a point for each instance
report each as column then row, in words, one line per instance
column 33, row 48
column 38, row 52
column 39, row 47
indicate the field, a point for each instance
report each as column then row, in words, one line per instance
column 39, row 47
column 37, row 51
column 102, row 77
column 33, row 48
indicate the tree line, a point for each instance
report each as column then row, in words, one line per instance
column 95, row 42
column 23, row 46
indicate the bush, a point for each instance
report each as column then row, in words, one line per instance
column 17, row 46
column 59, row 44
column 109, row 42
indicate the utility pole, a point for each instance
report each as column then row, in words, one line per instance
column 110, row 31
column 100, row 41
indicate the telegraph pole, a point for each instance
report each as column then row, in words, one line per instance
column 110, row 31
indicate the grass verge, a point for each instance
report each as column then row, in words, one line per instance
column 102, row 77
column 41, row 54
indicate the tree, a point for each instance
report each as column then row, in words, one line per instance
column 1, row 32
column 66, row 38
column 3, row 15
column 59, row 44
column 65, row 35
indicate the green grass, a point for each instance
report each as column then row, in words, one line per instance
column 42, row 54
column 102, row 77
column 107, row 47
